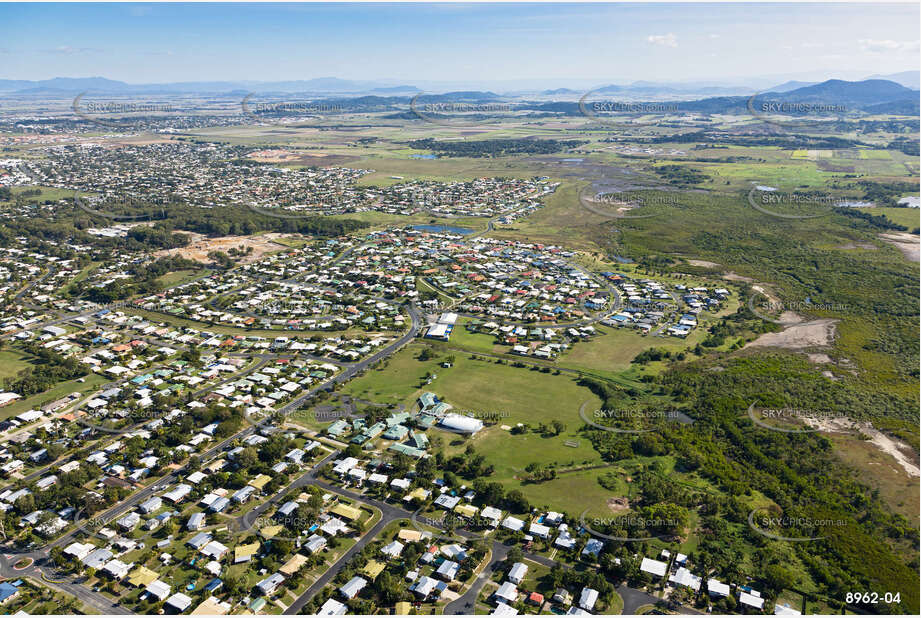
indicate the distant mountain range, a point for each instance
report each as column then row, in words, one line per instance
column 326, row 86
column 870, row 95
column 878, row 96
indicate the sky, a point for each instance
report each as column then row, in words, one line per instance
column 411, row 43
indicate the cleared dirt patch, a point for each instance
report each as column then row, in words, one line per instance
column 703, row 263
column 731, row 276
column 904, row 242
column 200, row 246
column 814, row 334
column 277, row 156
column 901, row 452
column 618, row 504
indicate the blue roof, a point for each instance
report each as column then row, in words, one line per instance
column 6, row 591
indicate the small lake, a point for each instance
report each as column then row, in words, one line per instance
column 444, row 229
column 622, row 260
column 424, row 156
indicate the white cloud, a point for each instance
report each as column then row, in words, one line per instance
column 69, row 51
column 885, row 45
column 666, row 40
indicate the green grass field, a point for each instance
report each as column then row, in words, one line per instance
column 909, row 217
column 12, row 361
column 62, row 389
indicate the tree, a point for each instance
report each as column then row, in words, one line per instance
column 778, row 578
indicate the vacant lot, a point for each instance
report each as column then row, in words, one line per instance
column 200, row 246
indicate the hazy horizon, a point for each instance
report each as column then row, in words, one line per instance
column 510, row 45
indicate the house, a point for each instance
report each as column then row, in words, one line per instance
column 683, row 577
column 271, row 583
column 199, row 540
column 293, row 565
column 129, row 521
column 588, row 599
column 512, row 523
column 392, row 549
column 150, row 505
column 245, row 553
column 332, row 607
column 212, row 607
column 178, row 493
column 372, row 569
column 424, row 587
column 214, row 550
column 158, row 590
column 8, row 591
column 592, row 548
column 562, row 596
column 517, row 573
column 315, row 543
column 351, row 588
column 448, row 570
column 539, row 530
column 141, row 576
column 78, row 550
column 653, row 567
column 116, row 569
column 492, row 515
column 507, row 592
column 350, row 513
column 751, row 600
column 179, row 602
column 716, row 588
column 96, row 558
column 196, row 521
column 504, row 610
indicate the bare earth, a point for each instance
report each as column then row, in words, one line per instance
column 618, row 504
column 200, row 246
column 731, row 276
column 900, row 451
column 704, row 263
column 817, row 333
column 906, row 243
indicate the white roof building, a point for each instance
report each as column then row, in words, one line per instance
column 654, row 567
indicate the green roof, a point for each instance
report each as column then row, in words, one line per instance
column 407, row 450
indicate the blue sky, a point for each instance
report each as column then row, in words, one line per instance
column 458, row 42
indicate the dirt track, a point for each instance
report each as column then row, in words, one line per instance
column 907, row 243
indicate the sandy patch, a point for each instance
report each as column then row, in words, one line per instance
column 819, row 358
column 278, row 156
column 618, row 504
column 901, row 452
column 857, row 245
column 731, row 276
column 907, row 243
column 200, row 246
column 817, row 333
column 703, row 263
